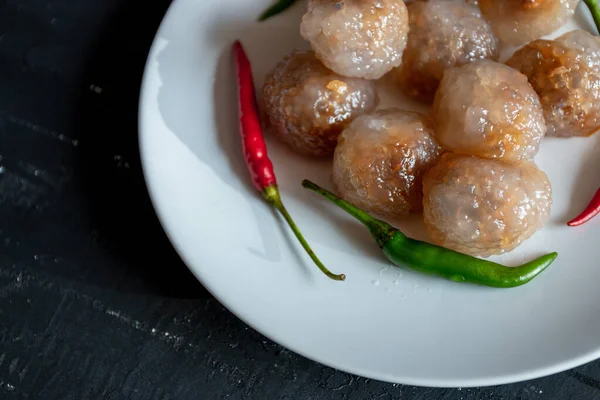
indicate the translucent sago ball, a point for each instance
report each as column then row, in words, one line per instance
column 443, row 34
column 484, row 207
column 490, row 110
column 308, row 105
column 380, row 160
column 565, row 73
column 357, row 38
column 519, row 21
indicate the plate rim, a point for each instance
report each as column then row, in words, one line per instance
column 145, row 162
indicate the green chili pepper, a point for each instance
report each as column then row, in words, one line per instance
column 279, row 7
column 595, row 11
column 436, row 260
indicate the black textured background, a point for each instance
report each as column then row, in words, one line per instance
column 94, row 303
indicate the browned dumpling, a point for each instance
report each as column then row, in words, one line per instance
column 357, row 38
column 565, row 73
column 520, row 21
column 380, row 160
column 443, row 34
column 489, row 110
column 484, row 207
column 308, row 105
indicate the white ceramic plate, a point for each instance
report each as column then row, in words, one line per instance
column 383, row 323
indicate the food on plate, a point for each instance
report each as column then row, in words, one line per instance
column 519, row 21
column 443, row 34
column 488, row 109
column 254, row 148
column 590, row 211
column 380, row 159
column 308, row 105
column 468, row 164
column 565, row 73
column 357, row 38
column 484, row 207
column 427, row 258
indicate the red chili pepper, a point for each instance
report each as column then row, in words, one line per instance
column 255, row 150
column 589, row 212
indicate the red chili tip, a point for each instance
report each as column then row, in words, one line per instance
column 576, row 222
column 592, row 209
column 579, row 221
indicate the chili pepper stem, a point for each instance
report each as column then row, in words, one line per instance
column 595, row 11
column 382, row 231
column 271, row 194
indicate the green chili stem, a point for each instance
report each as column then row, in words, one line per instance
column 595, row 10
column 357, row 213
column 271, row 194
column 277, row 8
column 381, row 230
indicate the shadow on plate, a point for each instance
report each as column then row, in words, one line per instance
column 185, row 118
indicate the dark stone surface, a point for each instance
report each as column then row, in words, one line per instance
column 95, row 304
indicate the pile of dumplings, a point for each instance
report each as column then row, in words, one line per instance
column 468, row 164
